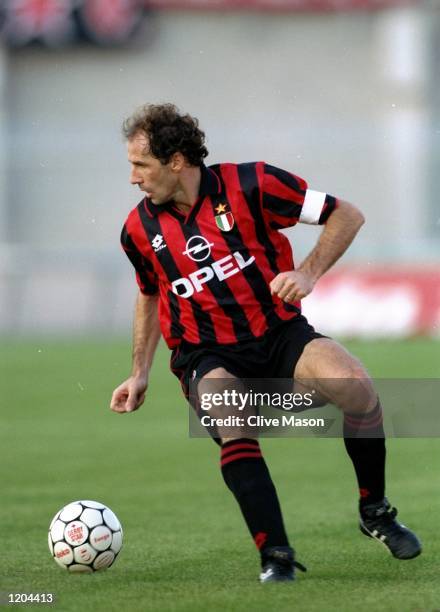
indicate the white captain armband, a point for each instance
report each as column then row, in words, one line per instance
column 312, row 208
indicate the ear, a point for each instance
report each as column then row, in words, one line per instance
column 177, row 161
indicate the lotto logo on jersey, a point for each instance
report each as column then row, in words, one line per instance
column 157, row 243
column 223, row 268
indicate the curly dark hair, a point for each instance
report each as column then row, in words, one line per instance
column 168, row 132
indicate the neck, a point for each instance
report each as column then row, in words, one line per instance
column 188, row 188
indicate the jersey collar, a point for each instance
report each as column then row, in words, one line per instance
column 209, row 185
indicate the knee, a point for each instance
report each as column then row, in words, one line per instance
column 360, row 396
column 354, row 391
column 215, row 381
column 217, row 373
column 362, row 383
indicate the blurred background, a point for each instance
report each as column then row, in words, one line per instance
column 345, row 93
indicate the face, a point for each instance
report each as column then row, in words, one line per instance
column 159, row 181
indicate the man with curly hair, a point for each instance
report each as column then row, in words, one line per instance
column 216, row 278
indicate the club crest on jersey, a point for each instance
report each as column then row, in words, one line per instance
column 225, row 222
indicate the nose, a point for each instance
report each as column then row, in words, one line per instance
column 134, row 177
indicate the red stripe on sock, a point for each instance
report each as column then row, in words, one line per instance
column 367, row 420
column 235, row 457
column 372, row 424
column 232, row 449
column 240, row 441
column 368, row 416
column 260, row 539
column 361, row 424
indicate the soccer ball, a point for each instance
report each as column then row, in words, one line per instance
column 85, row 536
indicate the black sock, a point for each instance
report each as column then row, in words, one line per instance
column 364, row 440
column 245, row 473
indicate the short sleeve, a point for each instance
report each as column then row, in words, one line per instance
column 287, row 200
column 146, row 277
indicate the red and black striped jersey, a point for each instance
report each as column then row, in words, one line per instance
column 212, row 267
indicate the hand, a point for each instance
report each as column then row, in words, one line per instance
column 130, row 395
column 291, row 286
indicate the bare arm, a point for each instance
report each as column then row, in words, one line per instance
column 337, row 235
column 130, row 394
column 146, row 333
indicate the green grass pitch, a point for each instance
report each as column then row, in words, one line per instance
column 186, row 547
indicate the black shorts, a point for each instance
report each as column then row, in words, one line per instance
column 274, row 355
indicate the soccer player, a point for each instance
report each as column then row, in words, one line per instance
column 216, row 278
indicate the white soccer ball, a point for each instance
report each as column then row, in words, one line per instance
column 85, row 536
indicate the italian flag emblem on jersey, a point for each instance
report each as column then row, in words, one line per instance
column 225, row 222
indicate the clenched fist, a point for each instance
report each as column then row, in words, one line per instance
column 291, row 286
